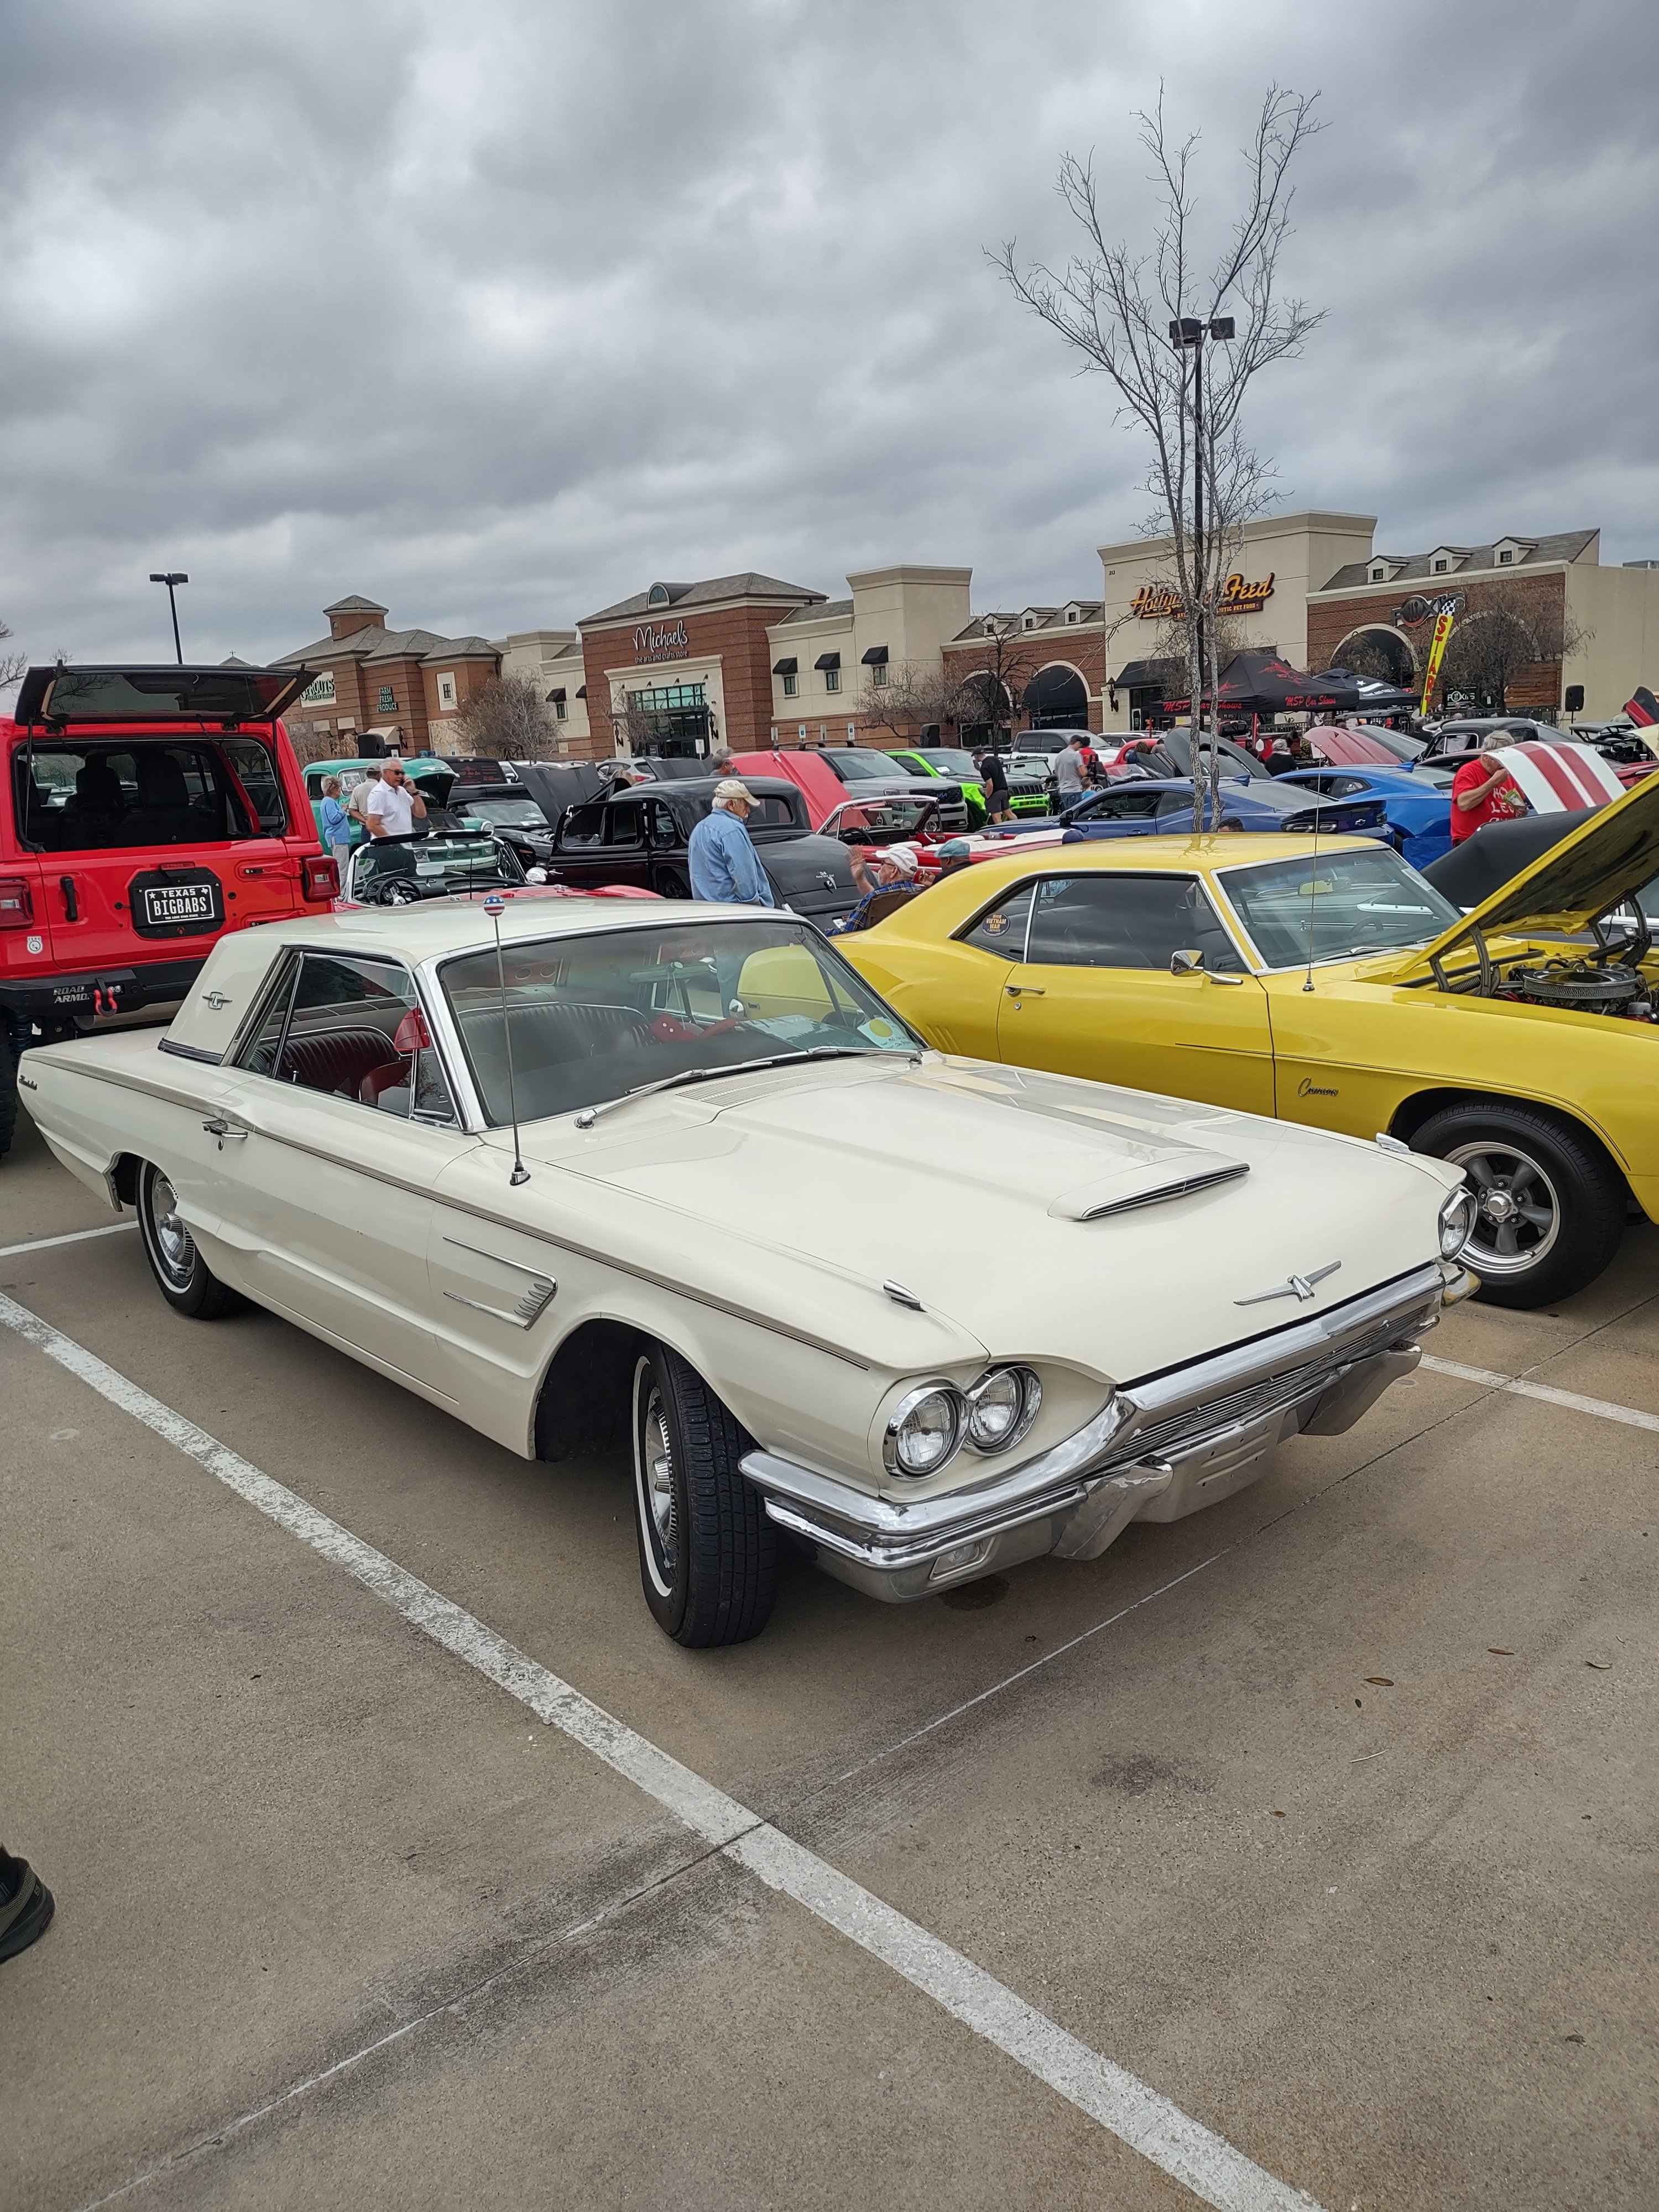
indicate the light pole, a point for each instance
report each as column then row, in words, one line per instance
column 171, row 578
column 1189, row 331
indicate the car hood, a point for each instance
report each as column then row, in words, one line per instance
column 1599, row 866
column 802, row 864
column 1019, row 1209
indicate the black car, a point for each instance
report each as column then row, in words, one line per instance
column 510, row 814
column 641, row 835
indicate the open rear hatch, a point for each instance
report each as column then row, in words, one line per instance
column 60, row 695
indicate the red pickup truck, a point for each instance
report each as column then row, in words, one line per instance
column 145, row 811
column 832, row 774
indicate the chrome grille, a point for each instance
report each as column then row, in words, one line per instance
column 1195, row 1423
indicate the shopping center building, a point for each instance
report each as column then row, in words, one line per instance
column 746, row 661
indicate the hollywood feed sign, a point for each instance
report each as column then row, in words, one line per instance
column 1162, row 603
column 652, row 642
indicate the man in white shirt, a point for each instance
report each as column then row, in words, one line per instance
column 394, row 807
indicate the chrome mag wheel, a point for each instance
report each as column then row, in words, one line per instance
column 655, row 1476
column 1519, row 1220
column 175, row 1248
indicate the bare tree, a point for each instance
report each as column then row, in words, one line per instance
column 1142, row 320
column 990, row 695
column 12, row 665
column 1509, row 632
column 917, row 693
column 506, row 717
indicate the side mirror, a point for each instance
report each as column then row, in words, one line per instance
column 1185, row 964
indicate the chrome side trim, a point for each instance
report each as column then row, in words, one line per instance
column 1180, row 1187
column 191, row 1052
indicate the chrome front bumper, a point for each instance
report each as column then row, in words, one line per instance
column 1161, row 1449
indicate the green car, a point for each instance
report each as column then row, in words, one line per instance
column 1025, row 794
column 431, row 778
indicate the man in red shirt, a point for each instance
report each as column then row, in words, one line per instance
column 1484, row 791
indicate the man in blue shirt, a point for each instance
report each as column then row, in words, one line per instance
column 724, row 866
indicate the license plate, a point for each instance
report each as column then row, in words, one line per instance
column 176, row 903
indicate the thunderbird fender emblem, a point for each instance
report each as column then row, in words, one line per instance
column 215, row 998
column 1300, row 1287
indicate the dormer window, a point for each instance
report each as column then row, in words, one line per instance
column 1505, row 555
column 1072, row 614
column 657, row 596
column 1441, row 566
column 1379, row 575
column 1508, row 551
column 1027, row 621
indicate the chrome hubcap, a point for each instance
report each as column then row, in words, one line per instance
column 657, row 1453
column 1519, row 1217
column 174, row 1246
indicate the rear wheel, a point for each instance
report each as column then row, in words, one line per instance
column 707, row 1553
column 1552, row 1208
column 183, row 1276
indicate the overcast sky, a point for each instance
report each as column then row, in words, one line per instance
column 496, row 313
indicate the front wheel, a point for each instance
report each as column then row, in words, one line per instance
column 1552, row 1206
column 182, row 1275
column 707, row 1553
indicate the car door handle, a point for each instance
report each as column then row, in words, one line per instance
column 71, row 909
column 1024, row 990
column 1236, row 981
column 221, row 1128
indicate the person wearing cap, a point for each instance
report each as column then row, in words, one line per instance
column 892, row 869
column 1484, row 791
column 725, row 865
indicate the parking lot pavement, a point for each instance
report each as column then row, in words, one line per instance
column 1337, row 1835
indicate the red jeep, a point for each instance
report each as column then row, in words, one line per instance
column 145, row 811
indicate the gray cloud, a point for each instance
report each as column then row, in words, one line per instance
column 499, row 312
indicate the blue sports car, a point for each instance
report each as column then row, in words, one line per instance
column 1418, row 802
column 1161, row 808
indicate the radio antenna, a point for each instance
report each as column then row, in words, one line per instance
column 1313, row 890
column 495, row 908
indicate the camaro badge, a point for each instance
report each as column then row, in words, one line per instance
column 1300, row 1287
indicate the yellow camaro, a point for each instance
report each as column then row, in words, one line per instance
column 1334, row 986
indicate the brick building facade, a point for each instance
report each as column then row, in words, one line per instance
column 403, row 686
column 686, row 667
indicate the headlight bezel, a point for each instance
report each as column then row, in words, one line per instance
column 892, row 1442
column 1029, row 1404
column 1459, row 1206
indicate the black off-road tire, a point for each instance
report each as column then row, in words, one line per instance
column 1529, row 1163
column 182, row 1275
column 707, row 1553
column 7, row 1092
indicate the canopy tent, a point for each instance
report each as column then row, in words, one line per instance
column 1259, row 683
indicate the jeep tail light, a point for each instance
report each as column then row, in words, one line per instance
column 320, row 876
column 16, row 906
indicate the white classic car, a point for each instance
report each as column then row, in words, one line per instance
column 629, row 1174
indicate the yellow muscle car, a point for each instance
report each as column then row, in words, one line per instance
column 1335, row 988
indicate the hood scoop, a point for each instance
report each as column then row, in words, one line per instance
column 1147, row 1182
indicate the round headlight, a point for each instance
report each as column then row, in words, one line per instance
column 1001, row 1407
column 925, row 1431
column 1458, row 1215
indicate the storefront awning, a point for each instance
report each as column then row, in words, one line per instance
column 875, row 657
column 790, row 667
column 827, row 660
column 1140, row 676
column 581, row 691
column 556, row 698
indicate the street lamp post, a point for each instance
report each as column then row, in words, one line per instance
column 1191, row 333
column 171, row 578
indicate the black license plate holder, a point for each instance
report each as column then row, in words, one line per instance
column 183, row 902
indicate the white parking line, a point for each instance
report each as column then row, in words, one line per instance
column 1604, row 1409
column 74, row 1236
column 1205, row 2163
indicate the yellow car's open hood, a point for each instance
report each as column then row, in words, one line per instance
column 1605, row 862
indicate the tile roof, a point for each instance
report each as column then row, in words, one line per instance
column 1413, row 568
column 355, row 603
column 832, row 610
column 751, row 584
column 372, row 643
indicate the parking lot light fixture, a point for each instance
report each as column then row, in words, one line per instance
column 171, row 578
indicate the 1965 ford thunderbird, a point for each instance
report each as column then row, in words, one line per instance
column 668, row 1178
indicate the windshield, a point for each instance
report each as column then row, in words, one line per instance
column 390, row 872
column 878, row 821
column 851, row 766
column 952, row 762
column 1343, row 903
column 594, row 1016
column 515, row 813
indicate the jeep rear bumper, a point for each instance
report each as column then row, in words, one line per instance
column 89, row 992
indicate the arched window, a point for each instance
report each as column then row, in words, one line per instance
column 658, row 596
column 1057, row 698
